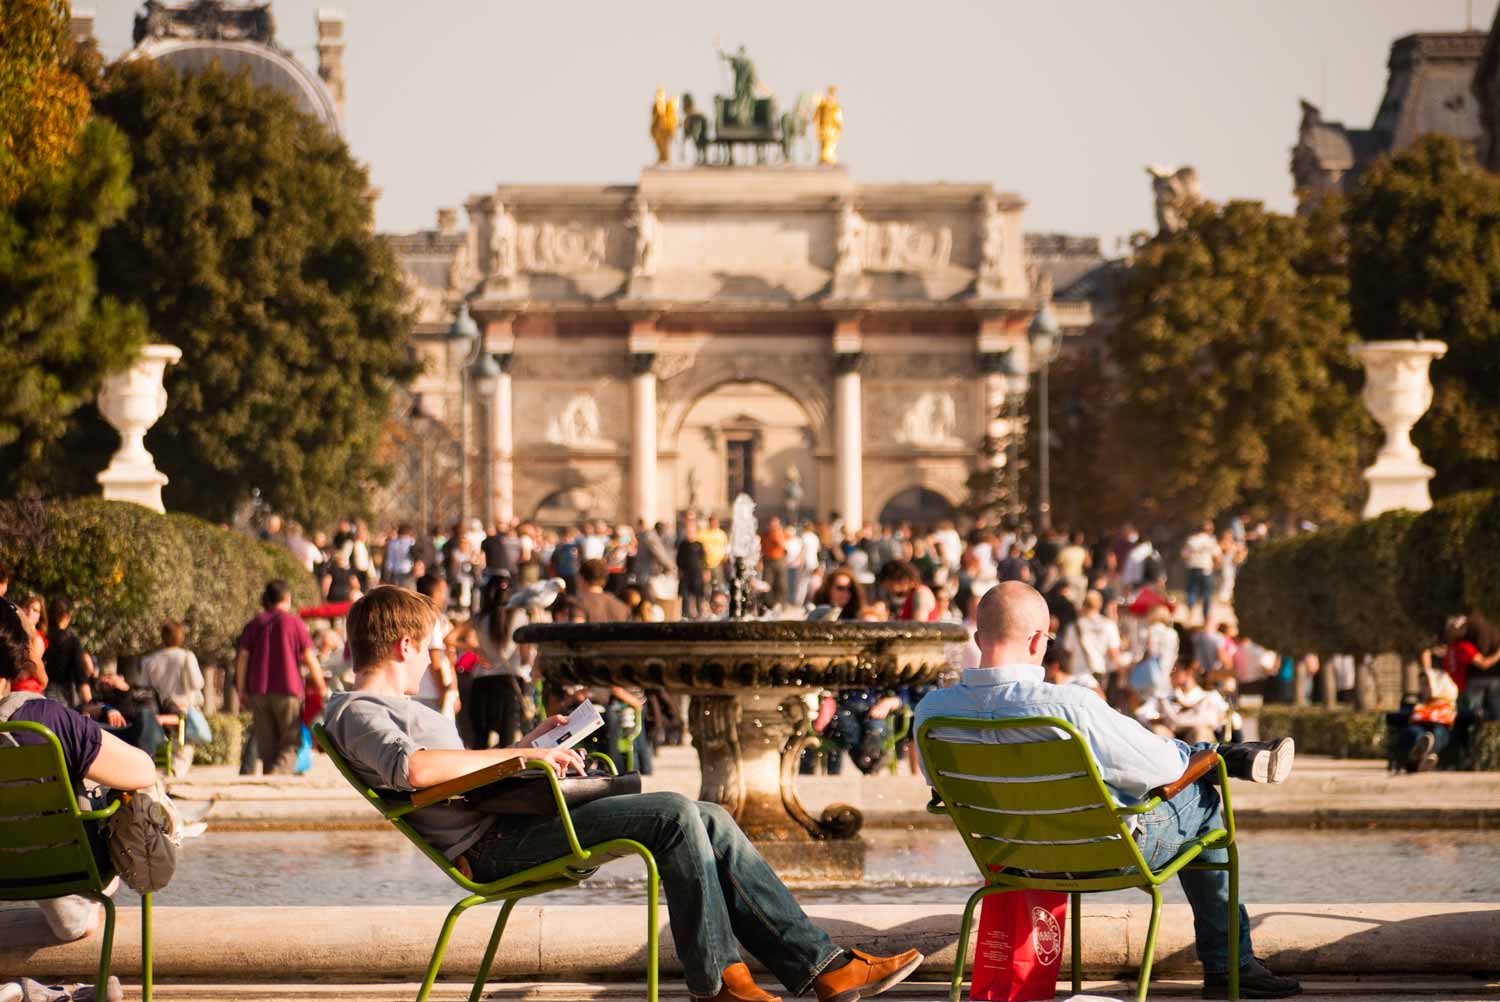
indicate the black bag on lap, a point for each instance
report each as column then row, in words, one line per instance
column 529, row 794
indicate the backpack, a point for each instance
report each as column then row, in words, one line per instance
column 143, row 833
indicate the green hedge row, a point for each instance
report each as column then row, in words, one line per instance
column 1383, row 585
column 127, row 569
column 1340, row 733
column 229, row 734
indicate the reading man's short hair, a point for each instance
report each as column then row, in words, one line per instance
column 380, row 619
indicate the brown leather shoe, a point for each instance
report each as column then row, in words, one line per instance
column 865, row 976
column 739, row 986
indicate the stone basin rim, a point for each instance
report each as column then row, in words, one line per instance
column 751, row 631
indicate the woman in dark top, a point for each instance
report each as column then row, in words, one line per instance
column 90, row 752
column 841, row 591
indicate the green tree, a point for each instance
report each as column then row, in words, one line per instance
column 1237, row 387
column 251, row 248
column 1424, row 262
column 44, row 98
column 58, row 336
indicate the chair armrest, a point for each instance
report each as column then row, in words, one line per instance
column 101, row 813
column 608, row 762
column 463, row 784
column 1198, row 766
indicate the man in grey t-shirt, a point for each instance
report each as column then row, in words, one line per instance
column 719, row 889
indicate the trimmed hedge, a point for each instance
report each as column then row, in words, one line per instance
column 1433, row 557
column 229, row 734
column 229, row 572
column 125, row 568
column 281, row 564
column 1340, row 733
column 1387, row 584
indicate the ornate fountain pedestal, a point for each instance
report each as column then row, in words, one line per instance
column 747, row 680
column 1398, row 392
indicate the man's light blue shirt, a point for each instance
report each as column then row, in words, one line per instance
column 1131, row 759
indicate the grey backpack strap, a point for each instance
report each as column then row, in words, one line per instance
column 9, row 705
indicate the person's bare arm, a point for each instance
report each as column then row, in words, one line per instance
column 432, row 766
column 241, row 664
column 883, row 709
column 120, row 766
column 626, row 697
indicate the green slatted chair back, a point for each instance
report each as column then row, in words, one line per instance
column 1034, row 803
column 44, row 847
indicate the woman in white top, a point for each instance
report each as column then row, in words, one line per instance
column 174, row 675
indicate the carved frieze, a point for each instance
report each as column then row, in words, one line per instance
column 578, row 424
column 898, row 245
column 927, row 366
column 580, row 365
column 562, row 248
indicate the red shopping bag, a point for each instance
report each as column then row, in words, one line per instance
column 1019, row 948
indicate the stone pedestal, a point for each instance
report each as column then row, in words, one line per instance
column 1398, row 392
column 132, row 400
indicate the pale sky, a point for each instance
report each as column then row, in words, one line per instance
column 1062, row 101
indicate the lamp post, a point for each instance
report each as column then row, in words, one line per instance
column 1044, row 332
column 486, row 375
column 418, row 412
column 464, row 334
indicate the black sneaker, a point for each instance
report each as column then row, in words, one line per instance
column 1260, row 761
column 1256, row 982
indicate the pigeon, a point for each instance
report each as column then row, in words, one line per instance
column 538, row 596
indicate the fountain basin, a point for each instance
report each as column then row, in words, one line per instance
column 747, row 680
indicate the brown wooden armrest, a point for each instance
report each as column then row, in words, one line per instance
column 463, row 784
column 1198, row 766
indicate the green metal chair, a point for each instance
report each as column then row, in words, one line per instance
column 625, row 743
column 567, row 871
column 1035, row 815
column 900, row 720
column 44, row 847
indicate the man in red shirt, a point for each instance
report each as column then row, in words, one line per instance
column 268, row 674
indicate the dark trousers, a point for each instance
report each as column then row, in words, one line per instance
column 496, row 704
column 277, row 722
column 718, row 887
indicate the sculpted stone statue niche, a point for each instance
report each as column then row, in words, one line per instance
column 578, row 423
column 647, row 240
column 850, row 258
column 932, row 419
column 503, row 254
column 1176, row 192
column 991, row 238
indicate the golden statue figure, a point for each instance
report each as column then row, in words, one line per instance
column 663, row 125
column 829, row 118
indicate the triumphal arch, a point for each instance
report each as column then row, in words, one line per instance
column 826, row 345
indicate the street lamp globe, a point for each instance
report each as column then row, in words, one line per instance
column 485, row 373
column 1044, row 331
column 464, row 328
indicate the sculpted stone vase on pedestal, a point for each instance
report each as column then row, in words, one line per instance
column 132, row 400
column 1398, row 392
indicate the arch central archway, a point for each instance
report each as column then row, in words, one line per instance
column 751, row 436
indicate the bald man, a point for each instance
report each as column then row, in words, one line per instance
column 1011, row 631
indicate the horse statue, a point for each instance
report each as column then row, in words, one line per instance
column 795, row 125
column 695, row 128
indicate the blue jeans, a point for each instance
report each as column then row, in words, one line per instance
column 1162, row 834
column 718, row 887
column 1199, row 590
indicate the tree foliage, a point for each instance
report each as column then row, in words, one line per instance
column 251, row 248
column 44, row 100
column 1424, row 262
column 1238, row 388
column 58, row 336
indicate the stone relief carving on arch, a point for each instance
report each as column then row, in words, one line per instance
column 562, row 248
column 899, row 245
column 578, row 425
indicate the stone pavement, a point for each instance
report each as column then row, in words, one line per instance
column 1322, row 792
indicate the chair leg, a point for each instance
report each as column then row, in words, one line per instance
column 146, row 953
column 101, row 986
column 1234, row 923
column 489, row 951
column 653, row 951
column 1145, row 984
column 957, row 986
column 1076, row 907
column 434, row 965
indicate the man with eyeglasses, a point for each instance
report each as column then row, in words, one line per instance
column 1012, row 632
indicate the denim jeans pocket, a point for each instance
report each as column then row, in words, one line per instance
column 1153, row 839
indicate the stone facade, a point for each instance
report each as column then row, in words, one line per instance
column 786, row 330
column 1431, row 88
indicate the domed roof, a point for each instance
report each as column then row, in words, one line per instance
column 191, row 36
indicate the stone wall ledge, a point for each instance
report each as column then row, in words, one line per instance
column 393, row 944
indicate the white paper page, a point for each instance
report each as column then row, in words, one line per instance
column 582, row 722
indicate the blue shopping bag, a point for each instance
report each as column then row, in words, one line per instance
column 304, row 752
